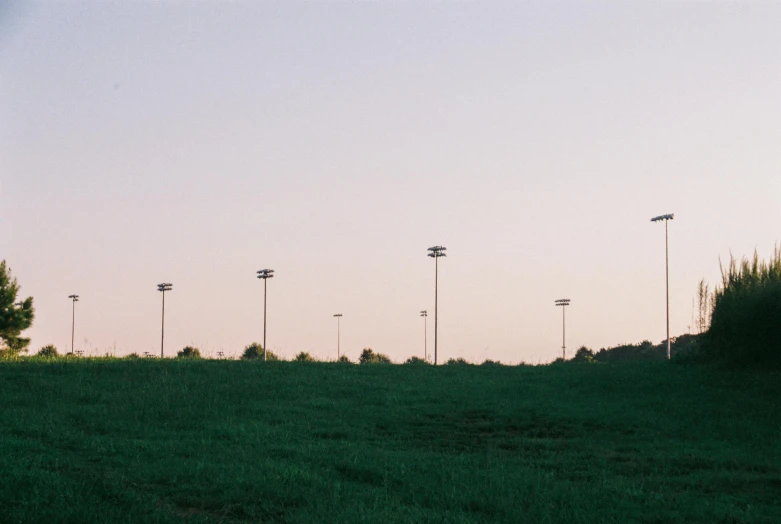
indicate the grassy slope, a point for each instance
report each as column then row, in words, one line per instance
column 233, row 441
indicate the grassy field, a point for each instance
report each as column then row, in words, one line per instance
column 220, row 441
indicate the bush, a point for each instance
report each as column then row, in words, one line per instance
column 343, row 360
column 304, row 357
column 745, row 323
column 490, row 362
column 457, row 362
column 132, row 356
column 370, row 357
column 584, row 355
column 189, row 352
column 687, row 348
column 415, row 360
column 48, row 351
column 255, row 352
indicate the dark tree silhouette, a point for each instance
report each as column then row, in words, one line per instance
column 368, row 356
column 189, row 352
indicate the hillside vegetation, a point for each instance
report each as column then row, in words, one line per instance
column 193, row 440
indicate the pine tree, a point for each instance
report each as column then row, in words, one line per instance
column 15, row 316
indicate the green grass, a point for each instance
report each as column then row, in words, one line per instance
column 218, row 441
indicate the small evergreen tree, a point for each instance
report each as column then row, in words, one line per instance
column 15, row 316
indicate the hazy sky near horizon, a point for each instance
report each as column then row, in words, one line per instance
column 197, row 142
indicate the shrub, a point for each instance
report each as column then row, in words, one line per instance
column 189, row 352
column 745, row 325
column 48, row 351
column 584, row 355
column 368, row 356
column 304, row 357
column 490, row 362
column 132, row 356
column 686, row 348
column 343, row 360
column 415, row 360
column 457, row 362
column 255, row 352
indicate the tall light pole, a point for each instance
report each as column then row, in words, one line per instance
column 424, row 314
column 338, row 334
column 436, row 252
column 265, row 274
column 163, row 288
column 74, row 298
column 666, row 218
column 563, row 302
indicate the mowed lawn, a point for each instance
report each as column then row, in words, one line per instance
column 224, row 441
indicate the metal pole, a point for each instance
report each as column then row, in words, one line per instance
column 563, row 333
column 667, row 283
column 265, row 282
column 436, row 302
column 73, row 326
column 162, row 331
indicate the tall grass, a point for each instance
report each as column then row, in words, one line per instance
column 746, row 319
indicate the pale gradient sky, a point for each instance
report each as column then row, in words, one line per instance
column 197, row 142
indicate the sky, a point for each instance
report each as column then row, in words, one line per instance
column 334, row 142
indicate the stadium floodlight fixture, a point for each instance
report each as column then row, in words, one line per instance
column 74, row 299
column 338, row 317
column 666, row 218
column 436, row 252
column 264, row 275
column 165, row 286
column 424, row 314
column 563, row 302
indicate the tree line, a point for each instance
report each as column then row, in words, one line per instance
column 738, row 322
